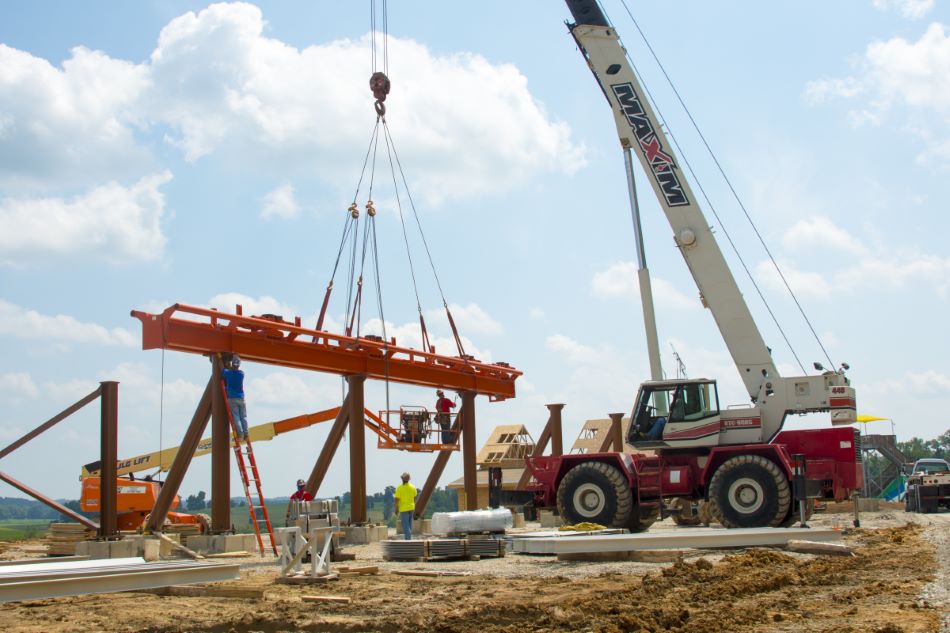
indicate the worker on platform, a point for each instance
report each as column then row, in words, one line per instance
column 443, row 407
column 234, row 386
column 293, row 507
column 406, row 504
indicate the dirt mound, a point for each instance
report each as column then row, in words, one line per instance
column 876, row 591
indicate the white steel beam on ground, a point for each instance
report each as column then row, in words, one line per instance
column 673, row 539
column 113, row 579
column 58, row 559
column 58, row 564
column 50, row 574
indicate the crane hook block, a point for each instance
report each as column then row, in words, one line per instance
column 379, row 83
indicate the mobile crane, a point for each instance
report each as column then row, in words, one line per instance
column 735, row 459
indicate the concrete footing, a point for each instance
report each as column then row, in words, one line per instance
column 548, row 519
column 363, row 534
column 107, row 549
column 419, row 527
column 222, row 543
column 517, row 519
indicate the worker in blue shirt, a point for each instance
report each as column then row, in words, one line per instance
column 234, row 385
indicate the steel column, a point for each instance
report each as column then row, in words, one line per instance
column 468, row 451
column 182, row 460
column 108, row 454
column 39, row 496
column 50, row 423
column 357, row 450
column 616, row 431
column 543, row 439
column 322, row 465
column 220, row 453
column 437, row 468
column 557, row 438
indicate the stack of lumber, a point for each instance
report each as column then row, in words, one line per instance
column 183, row 529
column 61, row 538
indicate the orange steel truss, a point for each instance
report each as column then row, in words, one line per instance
column 275, row 341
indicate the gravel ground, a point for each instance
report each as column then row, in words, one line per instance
column 937, row 593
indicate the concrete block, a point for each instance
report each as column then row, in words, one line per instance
column 548, row 519
column 200, row 543
column 358, row 534
column 151, row 549
column 224, row 543
column 517, row 519
column 106, row 549
column 419, row 527
column 382, row 532
column 147, row 547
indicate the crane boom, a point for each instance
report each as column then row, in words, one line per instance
column 639, row 130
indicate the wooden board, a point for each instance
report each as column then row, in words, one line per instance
column 429, row 573
column 305, row 580
column 340, row 599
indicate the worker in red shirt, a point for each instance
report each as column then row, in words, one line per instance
column 443, row 408
column 295, row 499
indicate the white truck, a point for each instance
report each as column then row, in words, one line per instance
column 928, row 486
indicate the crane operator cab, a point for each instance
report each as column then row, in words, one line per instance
column 676, row 414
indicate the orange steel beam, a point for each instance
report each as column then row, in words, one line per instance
column 197, row 330
column 303, row 421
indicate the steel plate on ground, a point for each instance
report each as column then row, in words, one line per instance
column 672, row 539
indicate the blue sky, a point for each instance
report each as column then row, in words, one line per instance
column 162, row 152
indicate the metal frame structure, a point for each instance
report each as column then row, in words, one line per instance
column 108, row 392
column 274, row 341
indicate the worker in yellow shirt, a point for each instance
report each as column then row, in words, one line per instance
column 406, row 504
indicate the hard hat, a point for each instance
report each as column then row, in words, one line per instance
column 404, row 476
column 301, row 482
column 439, row 392
column 235, row 360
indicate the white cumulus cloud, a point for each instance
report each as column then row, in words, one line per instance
column 469, row 318
column 110, row 222
column 18, row 322
column 227, row 302
column 216, row 86
column 280, row 203
column 18, row 385
column 68, row 124
column 818, row 233
column 900, row 73
column 908, row 8
column 620, row 280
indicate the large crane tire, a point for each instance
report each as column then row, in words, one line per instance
column 642, row 518
column 749, row 491
column 595, row 492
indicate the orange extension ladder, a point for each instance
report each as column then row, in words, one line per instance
column 255, row 478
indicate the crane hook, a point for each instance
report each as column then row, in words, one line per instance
column 379, row 83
